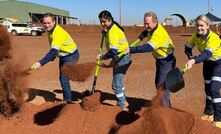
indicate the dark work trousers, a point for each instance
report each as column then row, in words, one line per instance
column 64, row 80
column 212, row 81
column 163, row 66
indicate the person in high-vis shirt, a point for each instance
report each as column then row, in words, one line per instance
column 217, row 31
column 162, row 48
column 116, row 42
column 208, row 43
column 62, row 46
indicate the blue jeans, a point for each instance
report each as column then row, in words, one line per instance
column 119, row 72
column 163, row 66
column 64, row 80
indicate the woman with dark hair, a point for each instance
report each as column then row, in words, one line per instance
column 116, row 42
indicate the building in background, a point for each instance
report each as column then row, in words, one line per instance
column 31, row 12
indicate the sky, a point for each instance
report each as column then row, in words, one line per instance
column 132, row 11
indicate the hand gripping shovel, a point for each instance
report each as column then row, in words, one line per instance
column 174, row 79
column 97, row 66
column 117, row 58
column 132, row 45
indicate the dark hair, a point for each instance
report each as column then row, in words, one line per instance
column 49, row 15
column 107, row 15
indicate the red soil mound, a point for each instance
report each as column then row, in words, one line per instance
column 74, row 118
column 91, row 102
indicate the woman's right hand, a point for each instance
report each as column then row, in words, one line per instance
column 190, row 63
column 127, row 50
column 98, row 57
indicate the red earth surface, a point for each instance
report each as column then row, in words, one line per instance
column 38, row 107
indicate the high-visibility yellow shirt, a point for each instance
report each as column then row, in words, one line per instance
column 211, row 43
column 161, row 42
column 62, row 41
column 116, row 39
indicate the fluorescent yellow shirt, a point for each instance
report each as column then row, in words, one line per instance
column 161, row 42
column 62, row 41
column 211, row 43
column 116, row 39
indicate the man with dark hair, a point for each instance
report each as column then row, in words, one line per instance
column 62, row 46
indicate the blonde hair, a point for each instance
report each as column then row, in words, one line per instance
column 203, row 18
column 151, row 14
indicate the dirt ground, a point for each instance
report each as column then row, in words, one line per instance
column 44, row 112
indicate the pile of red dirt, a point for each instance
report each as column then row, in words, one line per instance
column 94, row 117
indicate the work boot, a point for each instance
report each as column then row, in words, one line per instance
column 126, row 107
column 206, row 117
column 217, row 124
column 69, row 102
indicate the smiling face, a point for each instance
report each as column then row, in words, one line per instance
column 149, row 23
column 48, row 23
column 201, row 27
column 105, row 23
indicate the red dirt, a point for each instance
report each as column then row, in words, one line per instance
column 78, row 72
column 96, row 113
column 12, row 81
column 4, row 43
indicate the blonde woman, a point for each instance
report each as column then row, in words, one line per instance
column 208, row 43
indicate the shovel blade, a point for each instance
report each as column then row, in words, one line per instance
column 174, row 80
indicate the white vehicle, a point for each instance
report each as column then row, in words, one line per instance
column 25, row 28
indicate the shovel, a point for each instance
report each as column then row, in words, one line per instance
column 174, row 79
column 97, row 65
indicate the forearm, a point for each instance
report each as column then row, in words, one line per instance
column 110, row 54
column 51, row 55
column 203, row 56
column 141, row 49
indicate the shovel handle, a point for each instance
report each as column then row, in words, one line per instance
column 185, row 69
column 132, row 45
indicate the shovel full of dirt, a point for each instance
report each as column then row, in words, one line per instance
column 174, row 79
column 80, row 72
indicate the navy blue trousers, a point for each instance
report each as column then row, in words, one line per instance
column 163, row 66
column 212, row 81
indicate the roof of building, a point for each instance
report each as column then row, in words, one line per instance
column 212, row 17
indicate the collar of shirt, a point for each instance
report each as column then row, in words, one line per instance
column 51, row 31
column 151, row 32
column 204, row 37
column 109, row 27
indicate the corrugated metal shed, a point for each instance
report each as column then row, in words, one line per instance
column 28, row 12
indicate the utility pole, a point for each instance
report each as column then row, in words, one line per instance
column 120, row 12
column 208, row 6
